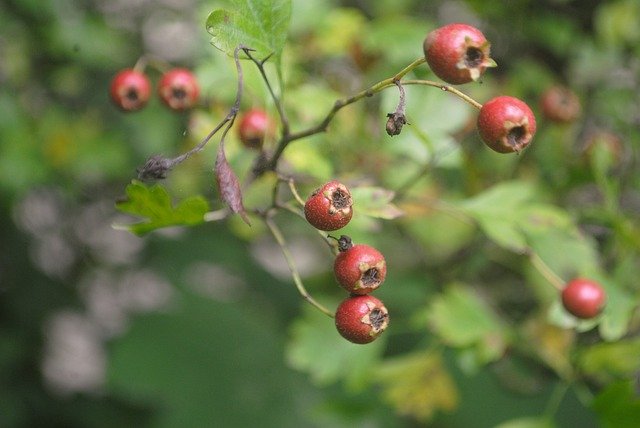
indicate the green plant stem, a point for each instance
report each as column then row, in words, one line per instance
column 555, row 400
column 546, row 271
column 445, row 88
column 294, row 191
column 279, row 237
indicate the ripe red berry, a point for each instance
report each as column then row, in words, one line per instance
column 178, row 89
column 130, row 90
column 329, row 207
column 253, row 128
column 560, row 104
column 457, row 53
column 359, row 269
column 506, row 124
column 583, row 298
column 361, row 319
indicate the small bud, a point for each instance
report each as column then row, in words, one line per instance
column 155, row 168
column 395, row 123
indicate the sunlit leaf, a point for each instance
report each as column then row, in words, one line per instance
column 463, row 320
column 417, row 385
column 608, row 361
column 259, row 24
column 375, row 202
column 317, row 348
column 618, row 406
column 154, row 205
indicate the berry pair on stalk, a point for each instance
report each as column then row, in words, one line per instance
column 178, row 89
column 459, row 53
column 359, row 269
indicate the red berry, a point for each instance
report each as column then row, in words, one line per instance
column 253, row 128
column 178, row 89
column 361, row 319
column 359, row 269
column 457, row 53
column 130, row 90
column 329, row 207
column 583, row 298
column 560, row 104
column 506, row 124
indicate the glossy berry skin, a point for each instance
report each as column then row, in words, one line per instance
column 329, row 207
column 506, row 124
column 360, row 269
column 361, row 319
column 457, row 53
column 560, row 104
column 130, row 90
column 583, row 298
column 178, row 89
column 253, row 128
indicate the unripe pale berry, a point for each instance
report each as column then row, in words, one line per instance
column 178, row 89
column 253, row 128
column 359, row 269
column 130, row 90
column 457, row 53
column 329, row 207
column 361, row 319
column 560, row 104
column 583, row 298
column 506, row 124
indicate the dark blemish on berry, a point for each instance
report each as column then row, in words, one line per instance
column 516, row 136
column 179, row 93
column 132, row 95
column 473, row 57
column 378, row 318
column 340, row 199
column 370, row 277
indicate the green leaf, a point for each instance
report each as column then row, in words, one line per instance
column 618, row 406
column 463, row 320
column 317, row 348
column 417, row 385
column 258, row 24
column 528, row 422
column 154, row 204
column 498, row 212
column 608, row 361
column 375, row 202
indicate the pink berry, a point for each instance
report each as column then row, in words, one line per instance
column 178, row 89
column 506, row 124
column 253, row 128
column 583, row 298
column 130, row 90
column 457, row 53
column 560, row 104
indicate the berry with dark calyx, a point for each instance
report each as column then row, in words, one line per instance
column 457, row 53
column 359, row 269
column 583, row 298
column 178, row 89
column 560, row 104
column 253, row 128
column 329, row 207
column 130, row 90
column 506, row 124
column 361, row 319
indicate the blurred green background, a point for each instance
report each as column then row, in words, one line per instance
column 203, row 327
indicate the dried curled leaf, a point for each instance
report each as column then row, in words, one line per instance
column 229, row 185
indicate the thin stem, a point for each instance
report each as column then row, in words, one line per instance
column 555, row 400
column 216, row 215
column 281, row 112
column 546, row 271
column 279, row 237
column 445, row 88
column 294, row 191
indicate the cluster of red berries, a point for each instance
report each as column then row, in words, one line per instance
column 359, row 269
column 178, row 89
column 459, row 53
